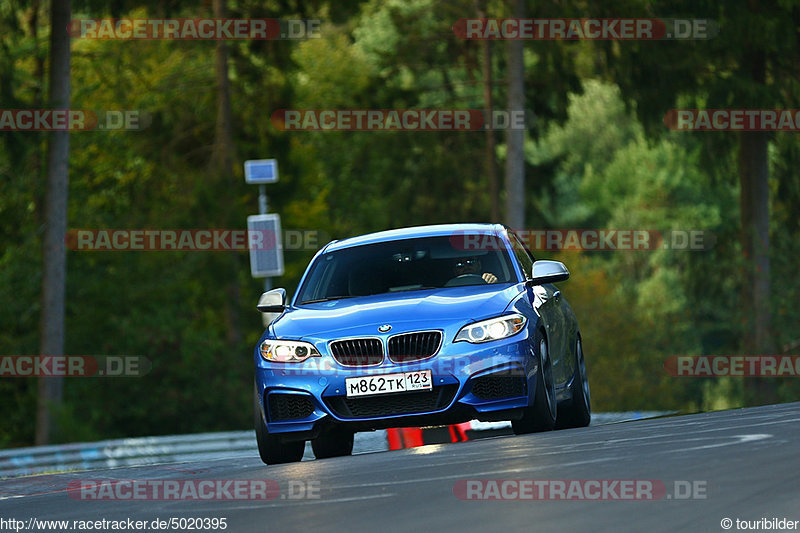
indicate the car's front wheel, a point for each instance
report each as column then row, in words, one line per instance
column 579, row 413
column 333, row 443
column 541, row 416
column 271, row 449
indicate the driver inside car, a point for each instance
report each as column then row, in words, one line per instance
column 472, row 265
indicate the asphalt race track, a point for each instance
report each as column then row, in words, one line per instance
column 741, row 464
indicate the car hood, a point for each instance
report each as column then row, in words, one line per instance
column 404, row 311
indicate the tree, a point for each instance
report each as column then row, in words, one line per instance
column 488, row 81
column 54, row 248
column 515, row 138
column 750, row 64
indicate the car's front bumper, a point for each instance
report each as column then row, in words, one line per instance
column 491, row 381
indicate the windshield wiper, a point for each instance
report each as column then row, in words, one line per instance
column 328, row 299
column 411, row 288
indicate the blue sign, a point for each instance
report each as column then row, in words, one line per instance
column 261, row 171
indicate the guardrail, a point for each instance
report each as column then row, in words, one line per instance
column 196, row 447
column 125, row 452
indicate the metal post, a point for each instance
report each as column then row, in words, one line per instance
column 262, row 209
column 262, row 199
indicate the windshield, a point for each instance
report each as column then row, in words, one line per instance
column 406, row 265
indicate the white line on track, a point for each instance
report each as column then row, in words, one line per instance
column 293, row 503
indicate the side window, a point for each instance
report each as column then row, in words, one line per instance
column 523, row 255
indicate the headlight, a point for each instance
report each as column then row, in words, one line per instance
column 287, row 351
column 492, row 329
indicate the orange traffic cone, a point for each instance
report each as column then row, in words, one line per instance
column 458, row 432
column 412, row 437
column 404, row 438
column 393, row 436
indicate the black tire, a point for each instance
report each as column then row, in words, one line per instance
column 578, row 414
column 541, row 416
column 271, row 450
column 333, row 443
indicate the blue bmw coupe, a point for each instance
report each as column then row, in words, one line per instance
column 418, row 326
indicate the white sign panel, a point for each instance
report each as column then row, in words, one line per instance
column 266, row 245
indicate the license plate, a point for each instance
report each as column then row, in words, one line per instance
column 388, row 383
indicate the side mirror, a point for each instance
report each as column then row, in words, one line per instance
column 549, row 272
column 273, row 301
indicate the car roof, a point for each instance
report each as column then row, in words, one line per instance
column 437, row 230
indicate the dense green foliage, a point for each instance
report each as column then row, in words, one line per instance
column 598, row 156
